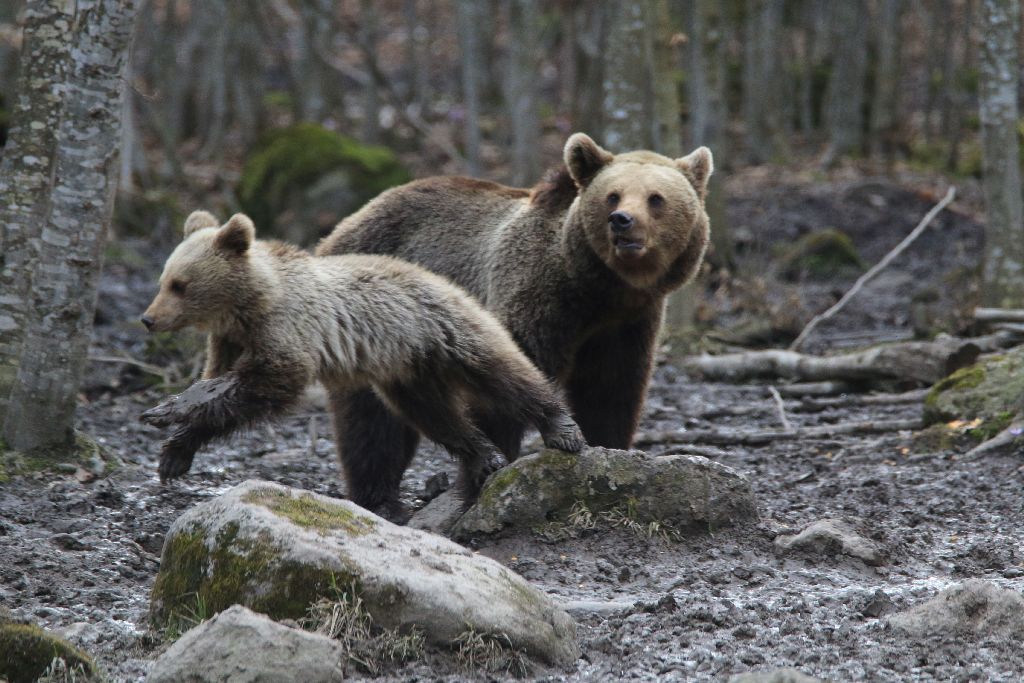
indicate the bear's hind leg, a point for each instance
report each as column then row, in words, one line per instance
column 375, row 447
column 436, row 413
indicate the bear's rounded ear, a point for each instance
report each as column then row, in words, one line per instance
column 236, row 236
column 584, row 158
column 197, row 220
column 697, row 166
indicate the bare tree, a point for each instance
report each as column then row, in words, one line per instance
column 763, row 87
column 521, row 88
column 885, row 99
column 845, row 112
column 26, row 171
column 466, row 17
column 1004, row 243
column 59, row 319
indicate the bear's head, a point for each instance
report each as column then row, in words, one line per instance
column 207, row 276
column 642, row 213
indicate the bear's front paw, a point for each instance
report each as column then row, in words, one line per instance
column 567, row 438
column 175, row 460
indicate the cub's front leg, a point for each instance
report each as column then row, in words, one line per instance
column 215, row 408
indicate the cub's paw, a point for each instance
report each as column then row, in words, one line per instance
column 568, row 438
column 175, row 460
column 164, row 415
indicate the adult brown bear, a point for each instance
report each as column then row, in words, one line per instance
column 577, row 269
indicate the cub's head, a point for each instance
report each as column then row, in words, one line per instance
column 207, row 275
column 643, row 213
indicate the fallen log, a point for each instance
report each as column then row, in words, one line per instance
column 732, row 437
column 816, row 405
column 801, row 389
column 999, row 315
column 923, row 362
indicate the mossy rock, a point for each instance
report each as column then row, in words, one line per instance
column 820, row 254
column 85, row 453
column 299, row 181
column 684, row 492
column 278, row 551
column 27, row 650
column 991, row 390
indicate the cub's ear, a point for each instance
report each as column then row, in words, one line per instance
column 197, row 220
column 584, row 158
column 698, row 166
column 236, row 236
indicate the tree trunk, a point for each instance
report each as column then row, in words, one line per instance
column 706, row 94
column 641, row 105
column 466, row 19
column 1004, row 238
column 59, row 321
column 521, row 90
column 846, row 89
column 884, row 102
column 762, row 80
column 371, row 98
column 26, row 170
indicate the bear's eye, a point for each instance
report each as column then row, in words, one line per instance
column 656, row 201
column 613, row 199
column 178, row 287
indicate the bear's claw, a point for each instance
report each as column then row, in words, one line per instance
column 568, row 438
column 175, row 460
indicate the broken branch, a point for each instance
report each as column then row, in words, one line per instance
column 874, row 270
column 766, row 436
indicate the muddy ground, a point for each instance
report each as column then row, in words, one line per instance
column 80, row 557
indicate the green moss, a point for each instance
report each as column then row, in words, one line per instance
column 234, row 570
column 312, row 513
column 822, row 253
column 992, row 426
column 83, row 452
column 27, row 650
column 290, row 160
column 991, row 390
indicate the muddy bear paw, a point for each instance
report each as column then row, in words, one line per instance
column 567, row 438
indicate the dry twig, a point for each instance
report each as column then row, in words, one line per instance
column 874, row 270
column 761, row 437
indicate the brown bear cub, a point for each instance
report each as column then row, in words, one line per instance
column 279, row 318
column 577, row 269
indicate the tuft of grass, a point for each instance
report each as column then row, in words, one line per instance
column 489, row 652
column 60, row 671
column 372, row 648
column 622, row 516
column 186, row 619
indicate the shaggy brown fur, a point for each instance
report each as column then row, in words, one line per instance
column 278, row 319
column 584, row 301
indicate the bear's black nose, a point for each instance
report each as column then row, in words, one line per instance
column 148, row 322
column 620, row 221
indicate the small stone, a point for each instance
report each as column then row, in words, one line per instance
column 832, row 536
column 776, row 676
column 245, row 647
column 977, row 609
column 69, row 542
column 435, row 485
column 879, row 604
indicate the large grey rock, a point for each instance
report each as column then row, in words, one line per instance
column 689, row 492
column 776, row 676
column 277, row 550
column 832, row 536
column 242, row 646
column 974, row 608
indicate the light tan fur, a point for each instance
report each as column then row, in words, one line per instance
column 351, row 322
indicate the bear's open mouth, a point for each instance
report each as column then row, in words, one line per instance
column 627, row 244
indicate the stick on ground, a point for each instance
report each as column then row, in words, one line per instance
column 873, row 271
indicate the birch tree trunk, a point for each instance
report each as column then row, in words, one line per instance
column 1004, row 238
column 58, row 322
column 26, row 170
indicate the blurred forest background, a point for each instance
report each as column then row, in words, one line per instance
column 255, row 101
column 299, row 111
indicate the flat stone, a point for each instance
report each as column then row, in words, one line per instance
column 688, row 492
column 242, row 646
column 974, row 608
column 832, row 536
